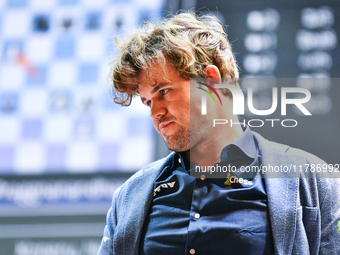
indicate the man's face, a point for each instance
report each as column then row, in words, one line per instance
column 168, row 96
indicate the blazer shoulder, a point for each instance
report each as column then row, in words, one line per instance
column 144, row 172
column 309, row 157
column 279, row 149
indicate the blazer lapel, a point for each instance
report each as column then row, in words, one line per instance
column 136, row 204
column 282, row 195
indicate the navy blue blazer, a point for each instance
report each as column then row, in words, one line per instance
column 304, row 212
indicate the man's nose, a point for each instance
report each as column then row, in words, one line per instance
column 158, row 110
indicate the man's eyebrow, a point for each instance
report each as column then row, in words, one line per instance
column 155, row 89
column 159, row 86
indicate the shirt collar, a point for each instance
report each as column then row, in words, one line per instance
column 178, row 159
column 246, row 142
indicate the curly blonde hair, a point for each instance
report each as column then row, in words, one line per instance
column 189, row 41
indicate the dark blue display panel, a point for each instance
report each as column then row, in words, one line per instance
column 288, row 39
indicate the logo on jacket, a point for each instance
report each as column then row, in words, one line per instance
column 339, row 225
column 164, row 186
column 234, row 179
column 227, row 182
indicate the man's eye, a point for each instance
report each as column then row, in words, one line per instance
column 164, row 91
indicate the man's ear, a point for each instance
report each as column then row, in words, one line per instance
column 213, row 75
column 211, row 71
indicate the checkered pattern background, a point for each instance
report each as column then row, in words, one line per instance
column 56, row 113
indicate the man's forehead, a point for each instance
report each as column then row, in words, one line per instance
column 154, row 75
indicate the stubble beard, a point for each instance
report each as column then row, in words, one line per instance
column 179, row 141
column 185, row 137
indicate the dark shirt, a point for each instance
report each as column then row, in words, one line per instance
column 209, row 216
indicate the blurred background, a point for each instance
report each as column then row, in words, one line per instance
column 65, row 146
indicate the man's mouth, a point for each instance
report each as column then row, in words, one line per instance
column 164, row 125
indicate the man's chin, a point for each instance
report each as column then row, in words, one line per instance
column 177, row 145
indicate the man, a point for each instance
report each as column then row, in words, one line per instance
column 163, row 208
